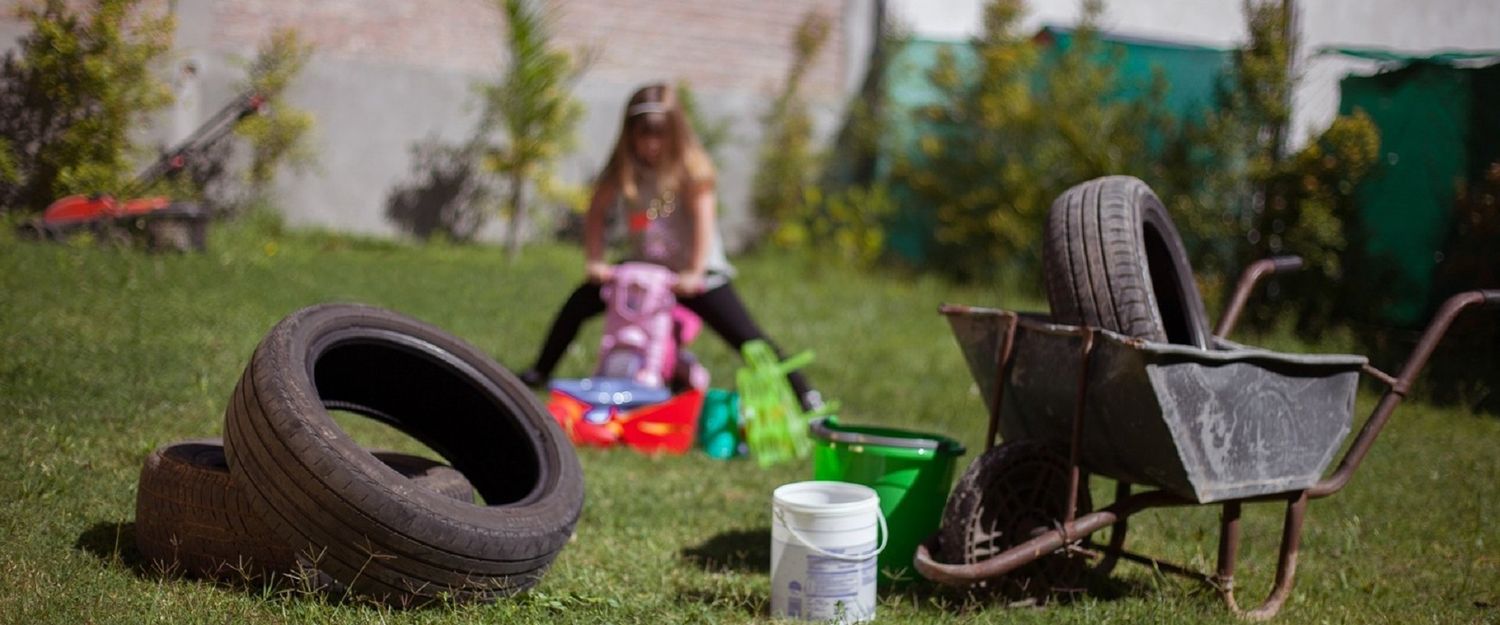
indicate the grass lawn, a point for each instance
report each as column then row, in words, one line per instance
column 108, row 353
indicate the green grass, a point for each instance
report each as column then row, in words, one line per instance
column 108, row 353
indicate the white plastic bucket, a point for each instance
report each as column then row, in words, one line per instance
column 824, row 539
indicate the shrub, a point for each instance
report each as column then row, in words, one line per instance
column 837, row 222
column 280, row 136
column 788, row 157
column 1013, row 133
column 70, row 93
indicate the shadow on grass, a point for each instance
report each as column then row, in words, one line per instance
column 114, row 542
column 749, row 551
column 743, row 551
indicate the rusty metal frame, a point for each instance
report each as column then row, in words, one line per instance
column 1074, row 530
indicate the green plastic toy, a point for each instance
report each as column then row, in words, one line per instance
column 775, row 424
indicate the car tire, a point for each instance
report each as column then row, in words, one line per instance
column 1112, row 259
column 192, row 518
column 324, row 495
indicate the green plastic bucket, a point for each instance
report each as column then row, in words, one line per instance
column 910, row 471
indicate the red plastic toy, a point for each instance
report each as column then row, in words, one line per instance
column 670, row 426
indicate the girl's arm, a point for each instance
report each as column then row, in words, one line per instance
column 704, row 212
column 596, row 269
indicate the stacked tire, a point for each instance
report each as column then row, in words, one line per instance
column 357, row 524
column 192, row 518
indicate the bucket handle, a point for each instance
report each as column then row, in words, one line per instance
column 885, row 536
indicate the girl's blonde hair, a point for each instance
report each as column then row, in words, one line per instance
column 684, row 164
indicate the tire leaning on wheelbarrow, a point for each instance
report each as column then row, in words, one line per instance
column 190, row 517
column 376, row 537
column 1112, row 259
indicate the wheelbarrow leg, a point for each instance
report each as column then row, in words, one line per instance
column 1286, row 565
column 1116, row 535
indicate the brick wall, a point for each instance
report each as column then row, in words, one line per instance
column 388, row 74
column 713, row 44
column 460, row 35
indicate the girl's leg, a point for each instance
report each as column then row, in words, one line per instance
column 723, row 311
column 585, row 302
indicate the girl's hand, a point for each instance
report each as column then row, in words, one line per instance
column 689, row 283
column 599, row 272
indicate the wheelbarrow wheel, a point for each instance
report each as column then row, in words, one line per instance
column 1112, row 259
column 1007, row 495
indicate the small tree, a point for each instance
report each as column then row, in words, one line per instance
column 788, row 158
column 279, row 136
column 1299, row 203
column 276, row 138
column 1013, row 132
column 532, row 106
column 71, row 92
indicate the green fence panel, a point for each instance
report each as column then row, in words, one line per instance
column 1405, row 204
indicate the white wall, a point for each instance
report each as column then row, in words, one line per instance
column 1401, row 25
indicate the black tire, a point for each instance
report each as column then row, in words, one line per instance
column 1112, row 259
column 191, row 517
column 1012, row 490
column 325, row 496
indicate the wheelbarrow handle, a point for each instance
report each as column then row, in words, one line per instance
column 1285, row 264
column 1401, row 385
column 1248, row 279
column 1439, row 327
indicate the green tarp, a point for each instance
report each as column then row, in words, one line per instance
column 1439, row 128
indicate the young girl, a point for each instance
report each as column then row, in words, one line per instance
column 659, row 187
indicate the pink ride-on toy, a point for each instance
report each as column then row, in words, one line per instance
column 644, row 328
column 640, row 358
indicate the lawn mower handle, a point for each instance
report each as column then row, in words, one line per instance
column 1248, row 279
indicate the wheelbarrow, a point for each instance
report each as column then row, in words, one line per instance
column 1224, row 426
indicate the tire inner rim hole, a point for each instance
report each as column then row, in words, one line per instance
column 432, row 401
column 1166, row 286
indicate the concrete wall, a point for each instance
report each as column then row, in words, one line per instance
column 1401, row 25
column 387, row 74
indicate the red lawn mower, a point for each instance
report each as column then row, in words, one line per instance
column 168, row 223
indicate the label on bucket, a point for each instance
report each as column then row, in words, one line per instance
column 814, row 587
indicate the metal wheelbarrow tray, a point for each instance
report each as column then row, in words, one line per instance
column 1209, row 425
column 1226, row 426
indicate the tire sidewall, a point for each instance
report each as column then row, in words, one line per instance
column 291, row 350
column 1152, row 214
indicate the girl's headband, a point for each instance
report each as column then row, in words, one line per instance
column 645, row 108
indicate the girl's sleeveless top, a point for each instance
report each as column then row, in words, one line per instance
column 658, row 228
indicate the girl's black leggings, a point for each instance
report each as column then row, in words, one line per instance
column 719, row 307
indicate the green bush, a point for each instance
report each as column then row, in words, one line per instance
column 280, row 136
column 839, row 222
column 846, row 226
column 71, row 92
column 789, row 160
column 1013, row 133
column 1300, row 203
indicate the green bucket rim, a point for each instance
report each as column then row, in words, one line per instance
column 829, row 429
